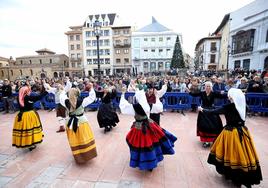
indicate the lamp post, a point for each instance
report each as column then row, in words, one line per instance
column 97, row 30
column 228, row 55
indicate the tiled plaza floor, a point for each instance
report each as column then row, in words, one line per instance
column 52, row 164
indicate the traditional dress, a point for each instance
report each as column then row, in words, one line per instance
column 107, row 117
column 156, row 106
column 60, row 110
column 79, row 133
column 208, row 127
column 233, row 152
column 147, row 141
column 27, row 129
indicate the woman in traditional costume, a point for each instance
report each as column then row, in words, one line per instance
column 233, row 152
column 208, row 127
column 147, row 141
column 27, row 129
column 107, row 116
column 79, row 133
column 60, row 110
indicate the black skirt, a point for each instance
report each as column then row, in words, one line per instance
column 107, row 116
column 209, row 123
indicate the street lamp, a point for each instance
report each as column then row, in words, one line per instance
column 228, row 55
column 97, row 31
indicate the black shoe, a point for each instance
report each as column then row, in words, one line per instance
column 206, row 144
column 32, row 147
column 107, row 129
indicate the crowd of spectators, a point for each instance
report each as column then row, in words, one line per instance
column 247, row 81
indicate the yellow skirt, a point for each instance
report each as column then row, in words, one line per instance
column 235, row 156
column 28, row 131
column 82, row 143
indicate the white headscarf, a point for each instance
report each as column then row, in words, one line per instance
column 141, row 99
column 239, row 100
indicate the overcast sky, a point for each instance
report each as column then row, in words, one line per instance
column 29, row 25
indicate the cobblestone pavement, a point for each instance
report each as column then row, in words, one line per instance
column 51, row 164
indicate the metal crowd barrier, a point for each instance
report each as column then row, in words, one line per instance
column 257, row 102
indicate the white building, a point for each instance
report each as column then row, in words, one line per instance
column 207, row 53
column 105, row 44
column 152, row 48
column 249, row 36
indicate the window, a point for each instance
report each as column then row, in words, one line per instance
column 126, row 60
column 94, row 52
column 78, row 46
column 160, row 51
column 21, row 72
column 72, row 47
column 3, row 73
column 152, row 50
column 40, row 60
column 11, row 71
column 145, row 39
column 125, row 41
column 145, row 51
column 78, row 56
column 126, row 31
column 106, row 32
column 118, row 60
column 107, row 52
column 101, row 42
column 237, row 64
column 88, row 52
column 88, row 43
column 160, row 39
column 50, row 60
column 88, row 33
column 212, row 58
column 94, row 43
column 168, row 38
column 77, row 37
column 31, row 71
column 72, row 56
column 117, row 51
column 30, row 61
column 246, row 64
column 71, row 37
column 101, row 51
column 89, row 61
column 153, row 39
column 125, row 51
column 106, row 42
column 145, row 65
column 213, row 46
column 243, row 41
column 107, row 61
column 117, row 42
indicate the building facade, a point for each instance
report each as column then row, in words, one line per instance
column 249, row 37
column 4, row 68
column 45, row 64
column 105, row 44
column 207, row 52
column 223, row 30
column 152, row 48
column 122, row 49
column 75, row 48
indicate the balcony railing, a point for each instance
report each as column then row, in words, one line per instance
column 122, row 45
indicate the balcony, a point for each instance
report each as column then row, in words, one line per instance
column 75, row 59
column 122, row 45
